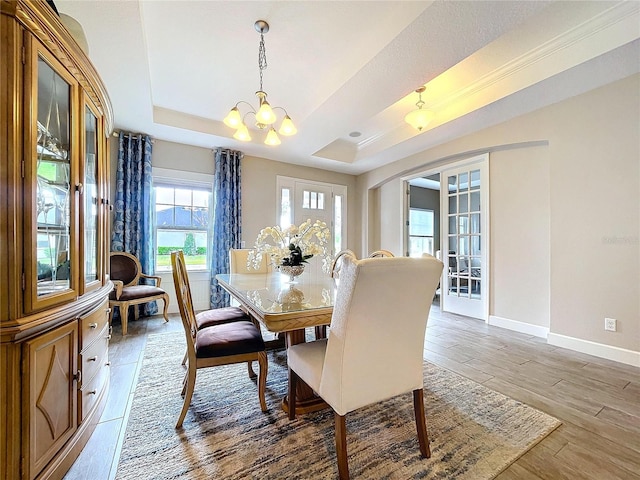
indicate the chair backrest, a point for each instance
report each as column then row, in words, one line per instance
column 125, row 268
column 185, row 302
column 381, row 253
column 337, row 262
column 238, row 262
column 376, row 339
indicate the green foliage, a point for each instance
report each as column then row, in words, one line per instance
column 189, row 244
column 168, row 250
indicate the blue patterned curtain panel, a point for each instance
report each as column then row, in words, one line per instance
column 132, row 230
column 227, row 218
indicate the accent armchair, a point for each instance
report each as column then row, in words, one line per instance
column 126, row 273
column 345, row 369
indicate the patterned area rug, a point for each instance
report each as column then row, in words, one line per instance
column 475, row 433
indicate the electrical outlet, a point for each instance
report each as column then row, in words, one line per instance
column 610, row 324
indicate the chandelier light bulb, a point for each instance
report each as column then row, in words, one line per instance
column 419, row 118
column 272, row 138
column 287, row 128
column 265, row 114
column 233, row 119
column 242, row 133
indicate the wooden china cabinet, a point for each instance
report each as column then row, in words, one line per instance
column 54, row 285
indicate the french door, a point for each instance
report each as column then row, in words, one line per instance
column 464, row 204
column 301, row 200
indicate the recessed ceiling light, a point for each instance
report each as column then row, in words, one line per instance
column 355, row 134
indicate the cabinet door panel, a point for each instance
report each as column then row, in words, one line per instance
column 51, row 393
column 50, row 185
column 90, row 204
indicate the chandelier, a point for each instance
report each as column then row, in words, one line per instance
column 264, row 116
column 419, row 118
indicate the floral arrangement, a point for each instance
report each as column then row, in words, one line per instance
column 292, row 246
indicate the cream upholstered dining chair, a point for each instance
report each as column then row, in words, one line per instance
column 381, row 253
column 238, row 262
column 222, row 344
column 336, row 265
column 372, row 294
column 125, row 273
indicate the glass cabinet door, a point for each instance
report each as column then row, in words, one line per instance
column 50, row 186
column 89, row 219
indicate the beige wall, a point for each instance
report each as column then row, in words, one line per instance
column 565, row 216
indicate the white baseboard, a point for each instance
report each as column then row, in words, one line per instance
column 601, row 350
column 522, row 327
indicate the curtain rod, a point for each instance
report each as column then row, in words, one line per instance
column 116, row 133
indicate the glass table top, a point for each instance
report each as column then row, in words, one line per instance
column 272, row 293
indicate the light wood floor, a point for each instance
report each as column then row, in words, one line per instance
column 597, row 400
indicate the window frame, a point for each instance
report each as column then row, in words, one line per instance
column 433, row 229
column 187, row 180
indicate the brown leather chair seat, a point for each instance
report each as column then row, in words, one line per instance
column 219, row 316
column 233, row 338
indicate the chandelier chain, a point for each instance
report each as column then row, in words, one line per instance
column 262, row 58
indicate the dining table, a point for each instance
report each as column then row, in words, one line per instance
column 288, row 307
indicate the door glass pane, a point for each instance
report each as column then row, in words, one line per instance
column 452, row 182
column 453, row 244
column 463, row 223
column 464, row 182
column 453, row 226
column 90, row 198
column 53, row 182
column 464, row 203
column 337, row 222
column 453, row 204
column 285, row 208
column 475, row 180
column 464, row 246
column 475, row 201
column 475, row 223
column 475, row 245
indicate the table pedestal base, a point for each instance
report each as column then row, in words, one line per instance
column 308, row 405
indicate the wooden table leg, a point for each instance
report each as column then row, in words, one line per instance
column 306, row 400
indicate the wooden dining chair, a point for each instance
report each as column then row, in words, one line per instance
column 126, row 273
column 346, row 369
column 222, row 344
column 217, row 316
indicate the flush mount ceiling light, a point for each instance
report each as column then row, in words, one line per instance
column 420, row 117
column 264, row 116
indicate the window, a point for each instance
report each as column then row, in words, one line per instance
column 420, row 232
column 182, row 222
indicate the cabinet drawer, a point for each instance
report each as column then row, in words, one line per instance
column 93, row 323
column 91, row 392
column 95, row 356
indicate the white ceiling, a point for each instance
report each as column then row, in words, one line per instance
column 173, row 69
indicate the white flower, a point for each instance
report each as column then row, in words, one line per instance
column 291, row 246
